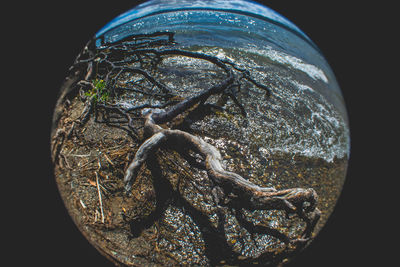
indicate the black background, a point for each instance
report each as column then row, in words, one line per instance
column 43, row 41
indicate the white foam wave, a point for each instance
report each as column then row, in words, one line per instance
column 302, row 87
column 313, row 71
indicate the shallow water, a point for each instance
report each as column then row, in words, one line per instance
column 277, row 42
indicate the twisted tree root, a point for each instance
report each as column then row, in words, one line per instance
column 252, row 197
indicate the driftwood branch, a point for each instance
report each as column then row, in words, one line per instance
column 251, row 196
column 141, row 55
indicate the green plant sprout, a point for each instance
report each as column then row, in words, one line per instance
column 98, row 92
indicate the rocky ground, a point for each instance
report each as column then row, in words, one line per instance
column 293, row 139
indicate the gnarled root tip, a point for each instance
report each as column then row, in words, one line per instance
column 305, row 200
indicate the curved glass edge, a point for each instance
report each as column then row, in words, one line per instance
column 242, row 6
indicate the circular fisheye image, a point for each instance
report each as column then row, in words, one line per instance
column 200, row 133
